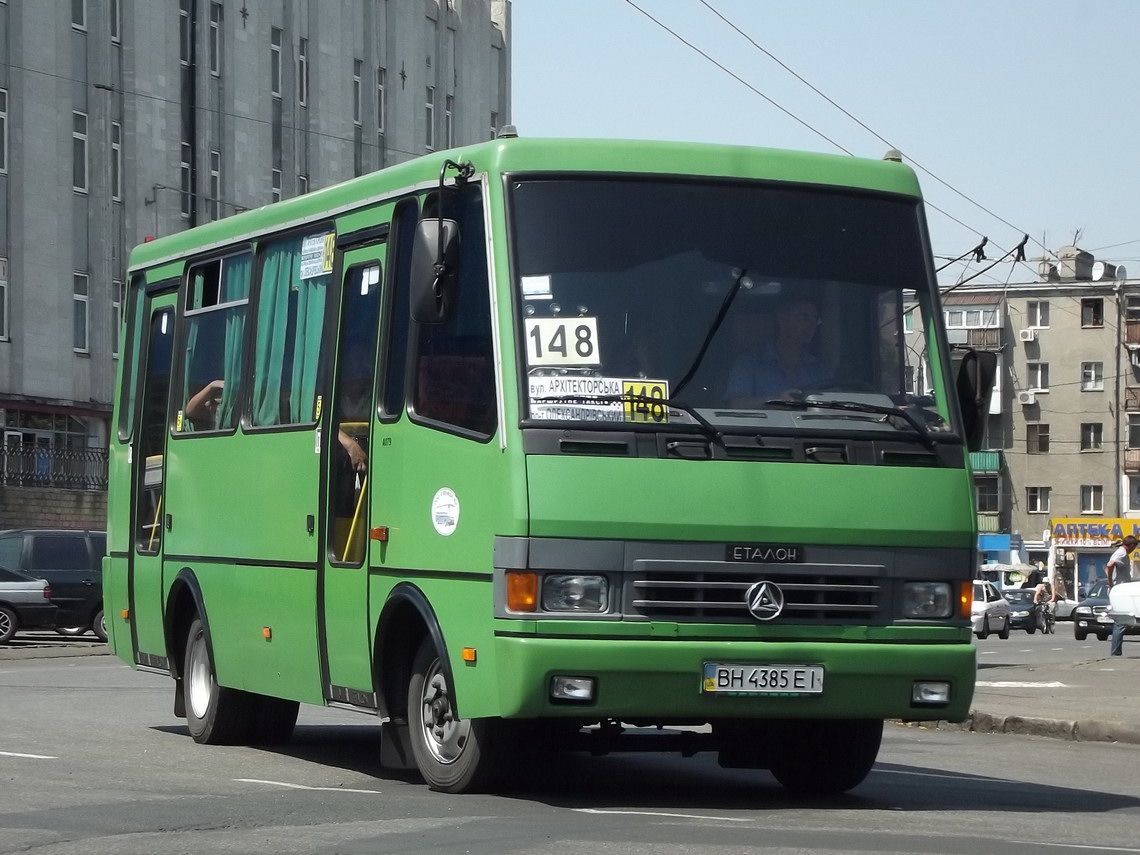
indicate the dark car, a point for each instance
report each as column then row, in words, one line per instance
column 71, row 561
column 25, row 603
column 1022, row 614
column 1090, row 615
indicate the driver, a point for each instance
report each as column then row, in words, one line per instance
column 786, row 363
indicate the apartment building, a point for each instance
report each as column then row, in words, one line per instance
column 1062, row 464
column 126, row 119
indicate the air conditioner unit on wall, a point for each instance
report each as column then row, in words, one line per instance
column 1026, row 398
column 1029, row 334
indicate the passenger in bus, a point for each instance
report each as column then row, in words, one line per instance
column 202, row 408
column 783, row 364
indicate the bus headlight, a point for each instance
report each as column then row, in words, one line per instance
column 926, row 600
column 564, row 592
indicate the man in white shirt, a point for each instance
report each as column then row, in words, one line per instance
column 1119, row 570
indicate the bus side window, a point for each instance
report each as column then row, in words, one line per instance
column 217, row 298
column 396, row 312
column 454, row 380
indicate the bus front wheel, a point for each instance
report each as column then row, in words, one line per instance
column 453, row 755
column 215, row 715
column 825, row 757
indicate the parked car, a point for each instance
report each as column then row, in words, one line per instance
column 1022, row 613
column 25, row 603
column 989, row 611
column 71, row 562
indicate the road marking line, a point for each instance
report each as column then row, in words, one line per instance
column 303, row 787
column 1081, row 846
column 662, row 814
column 1017, row 684
column 959, row 777
column 989, row 652
column 28, row 756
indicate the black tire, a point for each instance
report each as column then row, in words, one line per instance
column 453, row 755
column 1032, row 628
column 215, row 715
column 8, row 624
column 1080, row 634
column 822, row 758
column 985, row 630
column 274, row 720
column 1103, row 636
column 99, row 626
column 1004, row 631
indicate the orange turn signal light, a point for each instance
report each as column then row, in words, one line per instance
column 266, row 633
column 379, row 533
column 522, row 591
column 965, row 598
column 468, row 654
column 126, row 614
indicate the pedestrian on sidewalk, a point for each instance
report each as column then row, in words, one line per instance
column 1119, row 570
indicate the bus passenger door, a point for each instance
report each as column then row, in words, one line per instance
column 148, row 456
column 345, row 631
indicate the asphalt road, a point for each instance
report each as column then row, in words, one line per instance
column 93, row 761
column 1057, row 648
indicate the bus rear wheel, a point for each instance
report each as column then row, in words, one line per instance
column 453, row 755
column 215, row 715
column 825, row 757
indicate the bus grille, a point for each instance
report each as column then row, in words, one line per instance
column 719, row 597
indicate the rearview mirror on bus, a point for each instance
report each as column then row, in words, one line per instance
column 435, row 264
column 974, row 373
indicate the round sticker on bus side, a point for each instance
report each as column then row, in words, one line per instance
column 445, row 511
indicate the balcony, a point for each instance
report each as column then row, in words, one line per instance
column 1132, row 398
column 985, row 339
column 989, row 523
column 1132, row 460
column 985, row 462
column 1132, row 333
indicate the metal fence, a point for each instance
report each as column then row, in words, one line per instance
column 75, row 469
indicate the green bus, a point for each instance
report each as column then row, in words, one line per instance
column 538, row 445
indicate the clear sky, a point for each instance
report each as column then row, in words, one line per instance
column 1027, row 107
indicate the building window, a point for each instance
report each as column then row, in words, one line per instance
column 1092, row 376
column 215, row 39
column 276, row 191
column 3, row 299
column 494, row 124
column 1038, row 376
column 215, row 184
column 275, row 62
column 116, row 21
column 1092, row 436
column 79, row 309
column 184, row 31
column 381, row 102
column 116, row 161
column 302, row 185
column 116, row 315
column 1038, row 311
column 1037, row 438
column 79, row 14
column 1092, row 312
column 448, row 124
column 429, row 115
column 184, row 175
column 971, row 318
column 1134, row 492
column 357, row 66
column 1037, row 500
column 1092, row 499
column 987, row 496
column 3, row 131
column 1133, row 430
column 79, row 152
column 303, row 72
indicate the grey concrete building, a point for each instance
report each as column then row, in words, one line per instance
column 1064, row 430
column 124, row 119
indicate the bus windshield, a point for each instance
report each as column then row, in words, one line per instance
column 745, row 305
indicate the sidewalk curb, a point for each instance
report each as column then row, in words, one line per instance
column 19, row 653
column 1079, row 730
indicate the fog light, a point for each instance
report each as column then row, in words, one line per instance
column 930, row 692
column 579, row 689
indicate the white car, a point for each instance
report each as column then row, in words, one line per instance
column 1124, row 604
column 989, row 612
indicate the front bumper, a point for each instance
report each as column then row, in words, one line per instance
column 659, row 680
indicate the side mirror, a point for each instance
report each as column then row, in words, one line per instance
column 974, row 373
column 435, row 267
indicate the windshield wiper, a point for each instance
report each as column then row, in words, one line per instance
column 707, row 427
column 725, row 305
column 862, row 407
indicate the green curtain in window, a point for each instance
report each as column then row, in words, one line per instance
column 187, row 392
column 280, row 269
column 234, row 286
column 307, row 347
